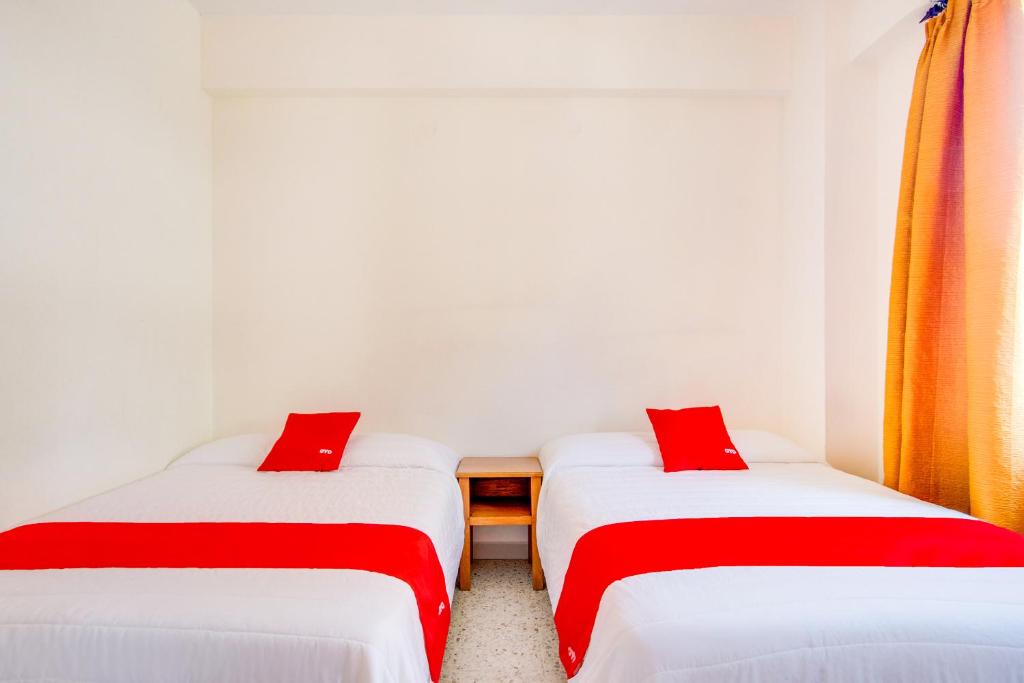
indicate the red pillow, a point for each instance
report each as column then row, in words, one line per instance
column 694, row 439
column 311, row 443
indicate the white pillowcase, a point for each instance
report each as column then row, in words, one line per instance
column 362, row 450
column 247, row 450
column 640, row 449
column 399, row 450
column 601, row 449
column 756, row 445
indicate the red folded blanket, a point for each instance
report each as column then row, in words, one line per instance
column 402, row 552
column 617, row 551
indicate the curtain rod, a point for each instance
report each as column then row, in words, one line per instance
column 935, row 10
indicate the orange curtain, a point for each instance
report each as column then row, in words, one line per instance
column 954, row 404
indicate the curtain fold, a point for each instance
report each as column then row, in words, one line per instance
column 954, row 405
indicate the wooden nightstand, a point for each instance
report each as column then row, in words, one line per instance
column 500, row 492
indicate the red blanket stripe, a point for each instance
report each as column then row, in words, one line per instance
column 402, row 552
column 617, row 551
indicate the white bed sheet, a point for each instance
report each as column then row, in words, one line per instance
column 234, row 624
column 778, row 623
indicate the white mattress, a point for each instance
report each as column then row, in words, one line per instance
column 239, row 624
column 777, row 623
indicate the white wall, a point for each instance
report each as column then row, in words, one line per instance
column 803, row 201
column 497, row 245
column 318, row 55
column 494, row 272
column 872, row 54
column 843, row 71
column 104, row 246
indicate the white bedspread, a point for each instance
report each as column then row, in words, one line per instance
column 777, row 623
column 238, row 624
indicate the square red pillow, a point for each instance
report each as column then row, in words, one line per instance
column 311, row 442
column 694, row 439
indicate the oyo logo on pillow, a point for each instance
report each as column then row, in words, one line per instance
column 730, row 451
column 326, row 451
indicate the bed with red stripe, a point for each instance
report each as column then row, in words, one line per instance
column 402, row 552
column 617, row 551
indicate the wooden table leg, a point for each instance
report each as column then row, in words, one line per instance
column 465, row 565
column 537, row 571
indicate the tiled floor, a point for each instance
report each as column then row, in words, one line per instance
column 502, row 630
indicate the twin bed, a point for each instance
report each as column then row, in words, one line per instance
column 242, row 624
column 767, row 623
column 287, row 623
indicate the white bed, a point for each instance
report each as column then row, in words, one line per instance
column 241, row 624
column 769, row 623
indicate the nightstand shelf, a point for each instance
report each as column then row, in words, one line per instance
column 500, row 512
column 500, row 492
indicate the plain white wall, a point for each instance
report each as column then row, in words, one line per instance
column 367, row 55
column 494, row 272
column 104, row 246
column 494, row 245
column 872, row 55
column 803, row 202
column 843, row 69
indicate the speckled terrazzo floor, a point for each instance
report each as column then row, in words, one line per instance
column 502, row 630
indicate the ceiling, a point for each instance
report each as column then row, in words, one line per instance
column 435, row 7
